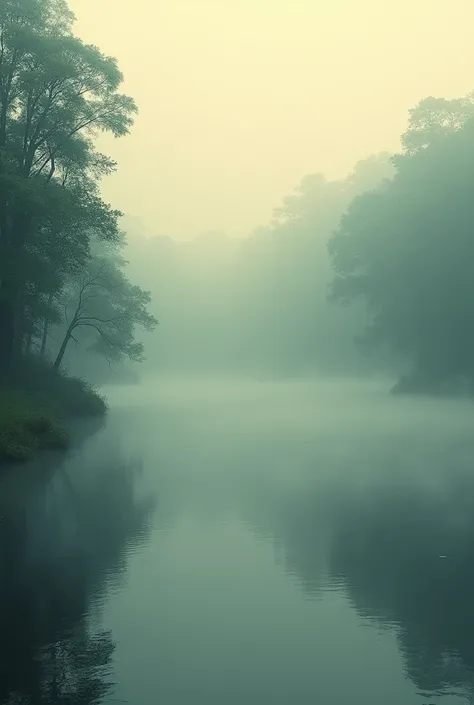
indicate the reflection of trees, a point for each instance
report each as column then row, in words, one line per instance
column 75, row 670
column 61, row 540
column 387, row 548
column 383, row 545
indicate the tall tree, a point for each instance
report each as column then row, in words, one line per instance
column 63, row 247
column 407, row 249
column 56, row 94
column 102, row 302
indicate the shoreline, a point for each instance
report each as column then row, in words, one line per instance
column 38, row 408
column 27, row 438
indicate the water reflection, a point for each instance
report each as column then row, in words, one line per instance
column 65, row 531
column 357, row 508
column 401, row 548
column 406, row 557
column 355, row 494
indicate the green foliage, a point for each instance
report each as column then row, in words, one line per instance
column 25, row 428
column 434, row 118
column 65, row 397
column 36, row 402
column 406, row 250
column 56, row 95
column 103, row 309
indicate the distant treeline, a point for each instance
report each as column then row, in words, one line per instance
column 258, row 304
column 366, row 274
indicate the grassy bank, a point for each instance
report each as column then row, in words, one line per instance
column 36, row 402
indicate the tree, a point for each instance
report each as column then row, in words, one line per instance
column 63, row 247
column 56, row 94
column 407, row 248
column 101, row 300
column 434, row 118
column 287, row 298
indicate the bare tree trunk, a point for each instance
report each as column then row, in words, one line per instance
column 64, row 344
column 62, row 349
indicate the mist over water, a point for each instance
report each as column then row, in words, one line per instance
column 297, row 548
column 232, row 540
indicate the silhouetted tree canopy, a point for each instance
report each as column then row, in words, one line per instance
column 57, row 94
column 405, row 249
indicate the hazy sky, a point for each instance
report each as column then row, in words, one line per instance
column 241, row 98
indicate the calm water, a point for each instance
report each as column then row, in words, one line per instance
column 243, row 544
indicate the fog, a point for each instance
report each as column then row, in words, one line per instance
column 245, row 541
column 362, row 501
column 260, row 132
column 259, row 306
column 239, row 100
column 236, row 352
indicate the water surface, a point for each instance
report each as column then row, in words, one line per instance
column 254, row 542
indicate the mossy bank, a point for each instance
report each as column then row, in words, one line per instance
column 36, row 405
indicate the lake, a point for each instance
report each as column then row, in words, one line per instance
column 244, row 542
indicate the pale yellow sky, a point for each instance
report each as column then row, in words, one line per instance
column 239, row 99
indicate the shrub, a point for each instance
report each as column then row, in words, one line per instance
column 34, row 402
column 65, row 396
column 26, row 428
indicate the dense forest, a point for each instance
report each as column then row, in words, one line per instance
column 62, row 276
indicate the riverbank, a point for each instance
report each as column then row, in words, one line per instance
column 37, row 403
